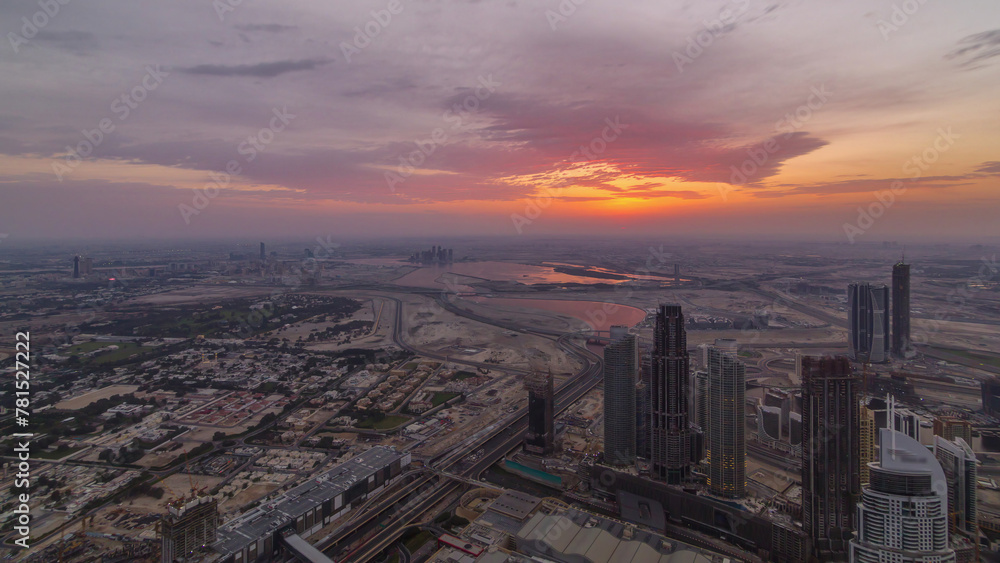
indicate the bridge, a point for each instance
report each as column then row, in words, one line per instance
column 301, row 549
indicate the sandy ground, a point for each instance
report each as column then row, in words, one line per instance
column 178, row 484
column 313, row 324
column 202, row 293
column 156, row 459
column 428, row 326
column 94, row 396
column 249, row 494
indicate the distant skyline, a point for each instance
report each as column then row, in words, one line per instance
column 719, row 118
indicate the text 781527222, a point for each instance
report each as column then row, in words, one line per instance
column 22, row 404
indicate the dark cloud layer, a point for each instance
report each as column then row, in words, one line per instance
column 258, row 70
column 977, row 48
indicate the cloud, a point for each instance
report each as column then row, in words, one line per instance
column 976, row 48
column 864, row 186
column 991, row 168
column 268, row 27
column 259, row 70
column 76, row 41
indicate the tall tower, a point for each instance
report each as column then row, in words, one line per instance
column 670, row 437
column 900, row 309
column 959, row 465
column 76, row 266
column 727, row 449
column 903, row 515
column 262, row 255
column 868, row 322
column 830, row 444
column 620, row 370
column 540, row 438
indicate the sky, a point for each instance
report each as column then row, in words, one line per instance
column 855, row 120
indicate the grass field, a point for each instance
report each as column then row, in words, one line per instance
column 125, row 349
column 982, row 358
column 58, row 453
column 94, row 396
column 440, row 398
column 384, row 424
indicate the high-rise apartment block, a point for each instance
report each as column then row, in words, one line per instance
column 620, row 374
column 726, row 433
column 959, row 465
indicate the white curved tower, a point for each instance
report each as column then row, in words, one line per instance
column 903, row 515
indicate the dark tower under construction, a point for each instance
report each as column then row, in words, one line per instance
column 189, row 525
column 540, row 438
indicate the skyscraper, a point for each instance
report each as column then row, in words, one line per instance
column 620, row 371
column 868, row 322
column 670, row 437
column 867, row 451
column 727, row 450
column 831, row 478
column 642, row 400
column 540, row 438
column 900, row 309
column 76, row 266
column 959, row 465
column 262, row 255
column 903, row 516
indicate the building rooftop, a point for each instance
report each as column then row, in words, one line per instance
column 269, row 517
column 578, row 536
column 515, row 504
